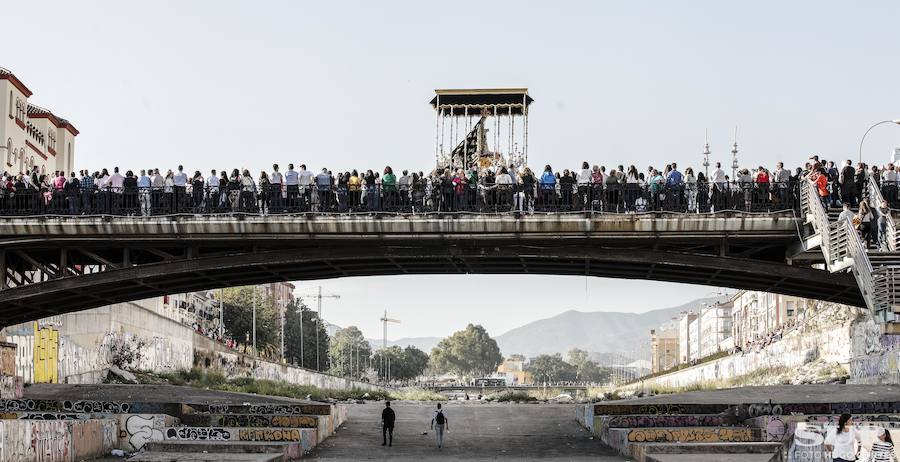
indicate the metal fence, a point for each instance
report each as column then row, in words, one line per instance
column 418, row 198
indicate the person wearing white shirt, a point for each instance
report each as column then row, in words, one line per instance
column 291, row 186
column 844, row 442
column 212, row 190
column 306, row 182
column 275, row 195
column 116, row 181
column 180, row 180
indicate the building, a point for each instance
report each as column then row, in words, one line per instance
column 714, row 323
column 664, row 347
column 758, row 314
column 282, row 293
column 514, row 372
column 685, row 339
column 31, row 136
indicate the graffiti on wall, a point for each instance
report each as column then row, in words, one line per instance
column 84, row 406
column 283, row 409
column 248, row 420
column 11, row 387
column 687, row 420
column 198, row 434
column 50, row 441
column 137, row 430
column 46, row 354
column 92, row 438
column 690, row 435
column 269, row 434
column 7, row 358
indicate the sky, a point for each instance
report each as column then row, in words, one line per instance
column 225, row 84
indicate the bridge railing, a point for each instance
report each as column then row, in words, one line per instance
column 22, row 200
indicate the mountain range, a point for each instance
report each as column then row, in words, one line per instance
column 606, row 335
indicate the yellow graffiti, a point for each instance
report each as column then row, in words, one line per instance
column 46, row 354
column 8, row 415
column 292, row 421
column 689, row 435
column 269, row 435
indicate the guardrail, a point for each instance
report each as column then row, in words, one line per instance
column 23, row 200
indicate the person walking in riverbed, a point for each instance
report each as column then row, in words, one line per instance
column 439, row 424
column 387, row 424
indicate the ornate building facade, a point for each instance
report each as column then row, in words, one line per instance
column 31, row 136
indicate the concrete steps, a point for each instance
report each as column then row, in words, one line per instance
column 284, row 450
column 700, row 452
column 204, row 457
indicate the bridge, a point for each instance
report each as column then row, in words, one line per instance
column 500, row 388
column 58, row 264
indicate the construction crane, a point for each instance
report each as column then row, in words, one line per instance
column 386, row 365
column 318, row 296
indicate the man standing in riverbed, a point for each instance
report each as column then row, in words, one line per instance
column 439, row 423
column 387, row 424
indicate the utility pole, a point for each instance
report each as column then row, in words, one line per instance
column 318, row 295
column 384, row 322
column 255, row 353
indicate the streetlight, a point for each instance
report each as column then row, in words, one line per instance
column 861, row 141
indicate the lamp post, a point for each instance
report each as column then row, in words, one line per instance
column 861, row 141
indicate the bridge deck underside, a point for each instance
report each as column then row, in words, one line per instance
column 53, row 269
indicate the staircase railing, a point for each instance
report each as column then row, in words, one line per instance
column 817, row 216
column 875, row 200
column 841, row 244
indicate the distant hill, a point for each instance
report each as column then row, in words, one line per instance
column 603, row 333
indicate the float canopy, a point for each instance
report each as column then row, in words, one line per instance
column 503, row 100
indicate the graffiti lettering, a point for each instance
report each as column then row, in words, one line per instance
column 50, row 441
column 142, row 429
column 96, row 406
column 198, row 433
column 645, row 421
column 685, row 435
column 269, row 435
column 294, row 421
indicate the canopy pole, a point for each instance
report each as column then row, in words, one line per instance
column 437, row 129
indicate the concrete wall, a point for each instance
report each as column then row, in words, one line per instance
column 56, row 440
column 80, row 347
column 828, row 336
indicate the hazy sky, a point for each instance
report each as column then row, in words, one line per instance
column 346, row 85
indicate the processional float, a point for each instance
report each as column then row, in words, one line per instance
column 481, row 128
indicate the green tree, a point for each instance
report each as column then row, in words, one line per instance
column 238, row 305
column 579, row 360
column 405, row 363
column 550, row 368
column 294, row 312
column 350, row 353
column 469, row 352
column 516, row 357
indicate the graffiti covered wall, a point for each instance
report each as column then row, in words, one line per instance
column 80, row 348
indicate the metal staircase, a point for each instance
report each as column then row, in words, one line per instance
column 844, row 250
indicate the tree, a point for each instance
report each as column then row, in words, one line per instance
column 405, row 363
column 469, row 352
column 350, row 353
column 516, row 357
column 294, row 312
column 237, row 303
column 579, row 360
column 550, row 368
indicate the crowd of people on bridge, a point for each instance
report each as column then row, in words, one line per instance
column 504, row 189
